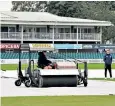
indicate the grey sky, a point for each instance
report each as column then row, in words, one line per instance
column 5, row 5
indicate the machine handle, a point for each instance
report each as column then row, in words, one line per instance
column 85, row 69
column 32, row 62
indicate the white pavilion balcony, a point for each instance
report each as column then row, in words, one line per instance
column 32, row 36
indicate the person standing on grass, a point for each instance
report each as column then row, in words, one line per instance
column 108, row 61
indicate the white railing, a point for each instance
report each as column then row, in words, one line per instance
column 89, row 36
column 10, row 35
column 49, row 36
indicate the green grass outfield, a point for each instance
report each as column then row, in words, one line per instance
column 90, row 66
column 59, row 101
column 108, row 79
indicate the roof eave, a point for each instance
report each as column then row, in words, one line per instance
column 56, row 23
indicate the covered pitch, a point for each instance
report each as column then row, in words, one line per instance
column 94, row 88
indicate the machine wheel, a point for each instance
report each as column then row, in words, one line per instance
column 40, row 81
column 77, row 80
column 85, row 82
column 18, row 82
column 27, row 83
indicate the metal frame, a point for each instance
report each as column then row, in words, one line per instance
column 30, row 80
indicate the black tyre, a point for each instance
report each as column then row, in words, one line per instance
column 18, row 82
column 27, row 83
column 85, row 82
column 77, row 81
column 40, row 81
column 36, row 73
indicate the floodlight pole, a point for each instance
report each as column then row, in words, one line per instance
column 101, row 34
column 77, row 37
column 53, row 34
column 22, row 34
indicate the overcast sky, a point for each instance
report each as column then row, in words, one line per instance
column 5, row 5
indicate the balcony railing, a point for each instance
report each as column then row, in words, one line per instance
column 49, row 36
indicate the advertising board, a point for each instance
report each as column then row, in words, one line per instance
column 87, row 46
column 77, row 46
column 107, row 46
column 98, row 46
column 64, row 46
column 9, row 46
column 41, row 46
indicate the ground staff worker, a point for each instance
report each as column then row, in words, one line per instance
column 108, row 61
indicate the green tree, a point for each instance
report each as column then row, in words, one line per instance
column 91, row 10
column 33, row 6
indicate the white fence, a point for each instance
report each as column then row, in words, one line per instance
column 25, row 61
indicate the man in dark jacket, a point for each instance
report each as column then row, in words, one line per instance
column 43, row 62
column 108, row 61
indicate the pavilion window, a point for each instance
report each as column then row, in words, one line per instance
column 85, row 30
column 67, row 30
column 37, row 30
column 61, row 30
column 75, row 30
column 51, row 30
column 4, row 29
column 5, row 32
column 43, row 30
column 24, row 30
column 89, row 30
column 11, row 29
column 82, row 30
